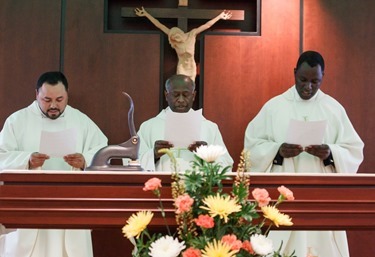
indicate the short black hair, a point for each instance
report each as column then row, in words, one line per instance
column 179, row 77
column 52, row 78
column 312, row 58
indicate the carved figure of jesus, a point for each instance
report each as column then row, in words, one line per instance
column 183, row 43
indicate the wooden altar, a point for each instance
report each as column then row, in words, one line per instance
column 100, row 200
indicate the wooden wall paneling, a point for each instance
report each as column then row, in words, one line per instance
column 29, row 46
column 343, row 31
column 242, row 72
column 99, row 67
column 102, row 65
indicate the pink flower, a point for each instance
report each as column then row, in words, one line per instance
column 152, row 184
column 232, row 241
column 205, row 221
column 246, row 245
column 261, row 196
column 287, row 193
column 183, row 203
column 192, row 252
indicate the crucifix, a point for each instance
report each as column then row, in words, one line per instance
column 181, row 40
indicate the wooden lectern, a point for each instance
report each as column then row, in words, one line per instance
column 102, row 200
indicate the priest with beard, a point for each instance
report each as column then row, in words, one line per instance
column 19, row 149
column 340, row 152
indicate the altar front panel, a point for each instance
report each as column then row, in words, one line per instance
column 107, row 199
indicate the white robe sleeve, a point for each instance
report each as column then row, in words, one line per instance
column 11, row 157
column 147, row 160
column 146, row 148
column 347, row 150
column 94, row 141
column 260, row 142
column 225, row 160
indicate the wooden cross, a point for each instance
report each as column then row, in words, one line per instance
column 183, row 14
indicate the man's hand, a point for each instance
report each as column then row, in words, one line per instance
column 160, row 144
column 321, row 151
column 290, row 150
column 75, row 160
column 195, row 145
column 37, row 160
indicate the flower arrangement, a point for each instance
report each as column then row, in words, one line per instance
column 210, row 221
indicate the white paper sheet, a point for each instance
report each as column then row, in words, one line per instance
column 306, row 133
column 58, row 144
column 182, row 129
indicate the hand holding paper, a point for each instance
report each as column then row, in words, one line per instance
column 160, row 144
column 307, row 134
column 321, row 151
column 290, row 150
column 37, row 160
column 75, row 160
column 195, row 145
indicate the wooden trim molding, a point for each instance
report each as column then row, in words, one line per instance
column 106, row 199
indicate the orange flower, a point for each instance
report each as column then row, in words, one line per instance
column 261, row 196
column 286, row 192
column 246, row 245
column 152, row 184
column 232, row 241
column 205, row 221
column 183, row 203
column 192, row 252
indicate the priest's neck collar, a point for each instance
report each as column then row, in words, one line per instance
column 299, row 99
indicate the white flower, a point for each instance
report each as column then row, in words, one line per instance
column 166, row 247
column 261, row 244
column 210, row 153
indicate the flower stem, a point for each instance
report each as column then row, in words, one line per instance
column 268, row 229
column 163, row 215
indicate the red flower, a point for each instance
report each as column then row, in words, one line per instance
column 205, row 221
column 246, row 245
column 232, row 241
column 192, row 252
column 183, row 203
column 286, row 192
column 152, row 184
column 261, row 196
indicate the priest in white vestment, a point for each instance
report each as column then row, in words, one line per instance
column 19, row 149
column 180, row 94
column 340, row 152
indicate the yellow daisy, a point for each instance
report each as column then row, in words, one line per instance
column 137, row 223
column 273, row 214
column 220, row 205
column 218, row 249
